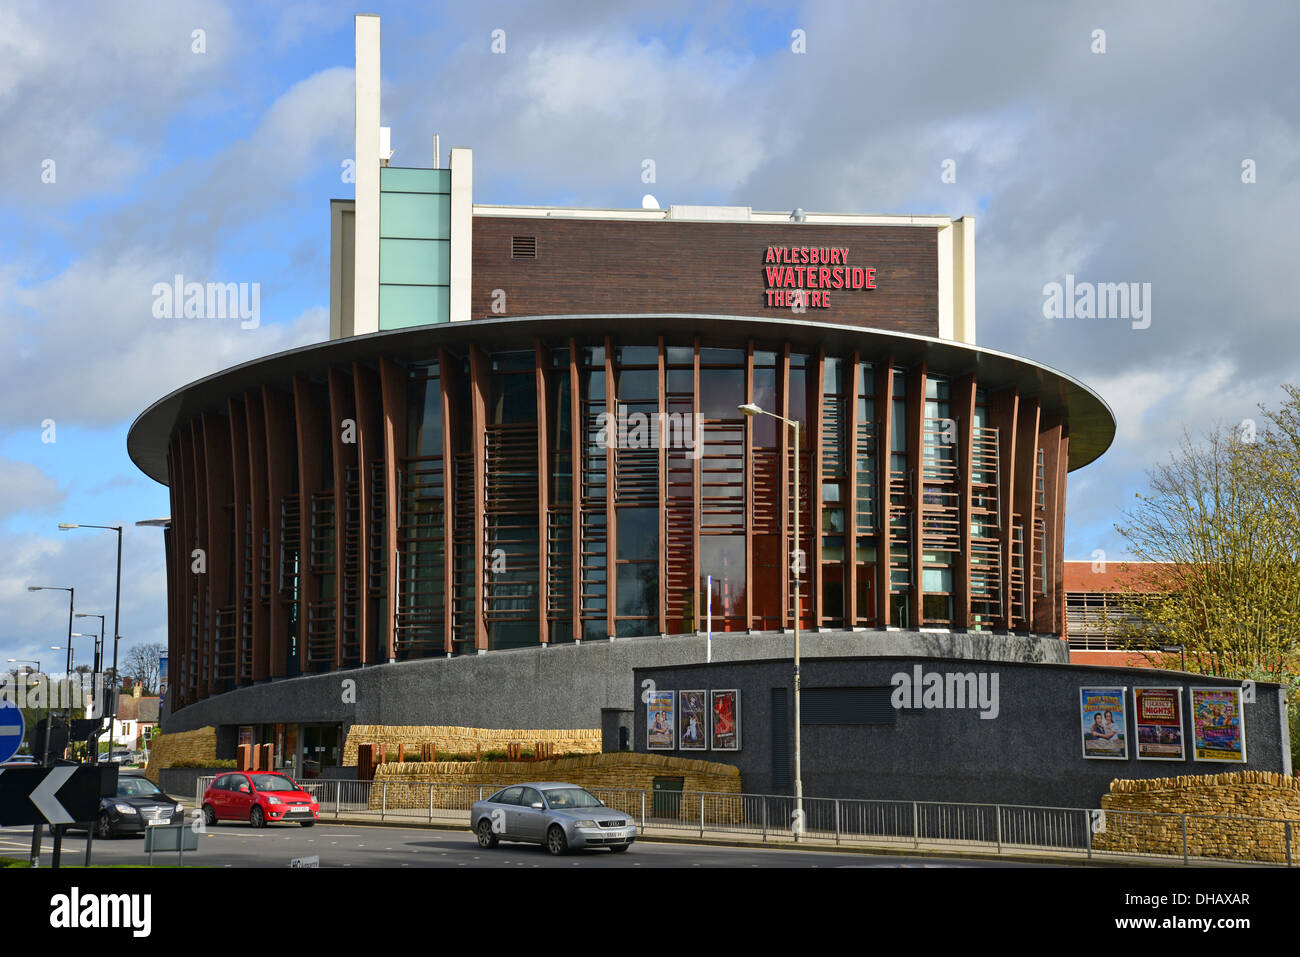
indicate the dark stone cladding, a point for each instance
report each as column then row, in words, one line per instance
column 1030, row 754
column 564, row 686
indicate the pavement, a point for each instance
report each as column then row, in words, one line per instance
column 662, row 832
column 361, row 845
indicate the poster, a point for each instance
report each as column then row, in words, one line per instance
column 1105, row 733
column 695, row 720
column 724, row 733
column 1158, row 720
column 1218, row 725
column 661, row 728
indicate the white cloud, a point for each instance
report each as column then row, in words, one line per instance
column 26, row 488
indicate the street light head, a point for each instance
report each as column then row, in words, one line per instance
column 67, row 525
column 749, row 408
column 34, row 588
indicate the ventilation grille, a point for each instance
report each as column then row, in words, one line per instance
column 523, row 247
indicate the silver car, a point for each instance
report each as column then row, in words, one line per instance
column 557, row 816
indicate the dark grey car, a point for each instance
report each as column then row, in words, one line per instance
column 557, row 816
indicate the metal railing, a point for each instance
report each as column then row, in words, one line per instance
column 920, row 825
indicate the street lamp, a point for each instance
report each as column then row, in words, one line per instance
column 97, row 669
column 117, row 606
column 751, row 409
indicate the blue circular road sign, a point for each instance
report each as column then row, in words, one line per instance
column 12, row 727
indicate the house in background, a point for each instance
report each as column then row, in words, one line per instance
column 137, row 716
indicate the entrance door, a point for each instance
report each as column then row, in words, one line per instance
column 320, row 749
column 667, row 798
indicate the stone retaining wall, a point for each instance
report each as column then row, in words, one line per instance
column 1219, row 809
column 452, row 738
column 407, row 784
column 169, row 750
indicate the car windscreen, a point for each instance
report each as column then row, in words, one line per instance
column 560, row 798
column 137, row 787
column 273, row 782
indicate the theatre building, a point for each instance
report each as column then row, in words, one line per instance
column 524, row 435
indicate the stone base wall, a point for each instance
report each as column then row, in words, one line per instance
column 169, row 750
column 452, row 739
column 1236, row 815
column 610, row 775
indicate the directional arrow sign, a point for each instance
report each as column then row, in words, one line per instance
column 44, row 796
column 12, row 726
column 65, row 794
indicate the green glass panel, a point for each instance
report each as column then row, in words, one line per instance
column 401, row 306
column 397, row 179
column 415, row 215
column 418, row 261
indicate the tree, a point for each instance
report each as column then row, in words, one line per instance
column 1222, row 517
column 141, row 665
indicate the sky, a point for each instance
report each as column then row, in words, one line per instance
column 1154, row 143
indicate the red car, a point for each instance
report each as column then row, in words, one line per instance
column 258, row 797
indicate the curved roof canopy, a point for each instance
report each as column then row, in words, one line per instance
column 1091, row 422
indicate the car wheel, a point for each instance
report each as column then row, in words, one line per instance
column 307, row 823
column 256, row 817
column 619, row 848
column 104, row 827
column 556, row 842
column 486, row 836
column 209, row 815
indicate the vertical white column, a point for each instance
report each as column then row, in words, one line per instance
column 944, row 243
column 462, row 231
column 963, row 258
column 366, row 258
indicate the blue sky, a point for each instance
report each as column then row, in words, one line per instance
column 219, row 165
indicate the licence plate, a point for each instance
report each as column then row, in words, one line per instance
column 156, row 820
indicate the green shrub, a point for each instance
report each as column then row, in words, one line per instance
column 223, row 763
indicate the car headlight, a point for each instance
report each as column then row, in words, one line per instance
column 125, row 809
column 585, row 824
column 273, row 800
column 180, row 808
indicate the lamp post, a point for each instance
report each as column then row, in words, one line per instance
column 117, row 609
column 97, row 669
column 751, row 409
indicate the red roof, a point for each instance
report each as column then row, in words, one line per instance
column 1088, row 576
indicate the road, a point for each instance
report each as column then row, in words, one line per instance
column 350, row 845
